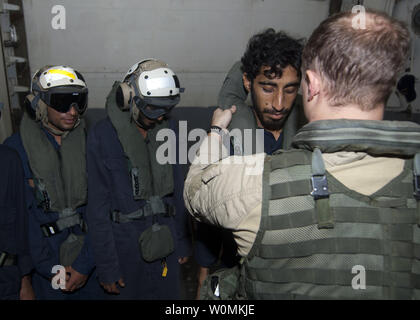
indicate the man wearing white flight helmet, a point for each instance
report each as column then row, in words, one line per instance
column 52, row 146
column 136, row 215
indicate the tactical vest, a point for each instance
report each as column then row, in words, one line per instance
column 321, row 240
column 151, row 181
column 244, row 118
column 59, row 175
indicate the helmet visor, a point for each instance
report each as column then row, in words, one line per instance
column 63, row 100
column 154, row 108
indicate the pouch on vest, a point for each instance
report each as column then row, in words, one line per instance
column 224, row 284
column 71, row 248
column 156, row 242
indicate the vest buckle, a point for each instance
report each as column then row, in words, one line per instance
column 319, row 187
column 7, row 259
column 50, row 229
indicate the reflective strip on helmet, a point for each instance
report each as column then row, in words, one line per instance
column 63, row 72
column 157, row 83
column 160, row 83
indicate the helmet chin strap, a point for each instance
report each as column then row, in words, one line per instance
column 142, row 125
column 136, row 117
column 139, row 121
column 58, row 132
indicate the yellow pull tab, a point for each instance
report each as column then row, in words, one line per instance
column 165, row 268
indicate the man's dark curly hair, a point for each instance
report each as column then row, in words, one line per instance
column 274, row 49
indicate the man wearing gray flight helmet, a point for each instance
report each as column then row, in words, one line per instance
column 52, row 146
column 136, row 213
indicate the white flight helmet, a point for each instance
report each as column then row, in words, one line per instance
column 151, row 87
column 59, row 87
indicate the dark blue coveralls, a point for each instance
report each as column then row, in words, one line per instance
column 45, row 250
column 13, row 224
column 116, row 248
column 211, row 238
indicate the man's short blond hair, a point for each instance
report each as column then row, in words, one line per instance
column 358, row 66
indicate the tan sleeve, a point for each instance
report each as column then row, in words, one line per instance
column 226, row 192
column 247, row 230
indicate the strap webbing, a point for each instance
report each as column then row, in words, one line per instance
column 66, row 219
column 153, row 206
column 338, row 246
column 344, row 214
column 294, row 158
column 332, row 277
column 279, row 291
column 320, row 191
column 287, row 189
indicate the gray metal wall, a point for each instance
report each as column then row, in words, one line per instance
column 199, row 39
column 5, row 122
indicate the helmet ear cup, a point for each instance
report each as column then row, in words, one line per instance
column 41, row 111
column 36, row 108
column 124, row 96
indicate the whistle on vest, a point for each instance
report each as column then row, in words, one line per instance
column 164, row 268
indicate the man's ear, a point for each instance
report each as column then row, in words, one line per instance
column 247, row 82
column 313, row 82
